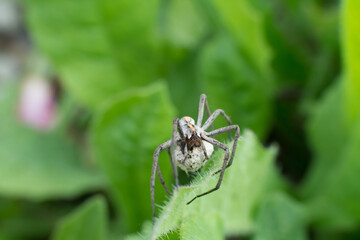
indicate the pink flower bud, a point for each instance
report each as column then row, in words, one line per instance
column 37, row 103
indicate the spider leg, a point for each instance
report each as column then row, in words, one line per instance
column 224, row 130
column 223, row 168
column 203, row 103
column 157, row 152
column 173, row 163
column 162, row 180
column 204, row 150
column 172, row 159
column 212, row 118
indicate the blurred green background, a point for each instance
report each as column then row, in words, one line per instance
column 89, row 89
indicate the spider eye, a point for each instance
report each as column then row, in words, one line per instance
column 187, row 119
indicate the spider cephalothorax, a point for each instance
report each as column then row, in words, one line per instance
column 191, row 146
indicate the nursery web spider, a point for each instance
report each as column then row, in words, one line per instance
column 191, row 146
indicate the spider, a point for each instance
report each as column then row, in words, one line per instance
column 191, row 146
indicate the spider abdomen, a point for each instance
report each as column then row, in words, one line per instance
column 191, row 160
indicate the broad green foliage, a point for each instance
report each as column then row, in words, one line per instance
column 37, row 165
column 246, row 183
column 335, row 204
column 184, row 29
column 134, row 45
column 89, row 221
column 126, row 131
column 98, row 53
column 4, row 237
column 95, row 49
column 184, row 88
column 280, row 218
column 231, row 81
column 331, row 188
column 330, row 185
column 245, row 24
column 293, row 30
column 185, row 25
column 133, row 66
column 234, row 66
column 347, row 175
column 327, row 135
column 22, row 219
column 351, row 57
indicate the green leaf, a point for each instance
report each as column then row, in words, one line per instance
column 331, row 190
column 230, row 209
column 245, row 24
column 134, row 46
column 207, row 226
column 183, row 81
column 233, row 85
column 184, row 29
column 5, row 237
column 126, row 131
column 39, row 165
column 351, row 53
column 185, row 24
column 93, row 46
column 22, row 219
column 335, row 202
column 327, row 135
column 347, row 174
column 89, row 221
column 280, row 218
column 234, row 66
column 288, row 35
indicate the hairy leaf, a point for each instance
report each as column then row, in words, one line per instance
column 125, row 134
